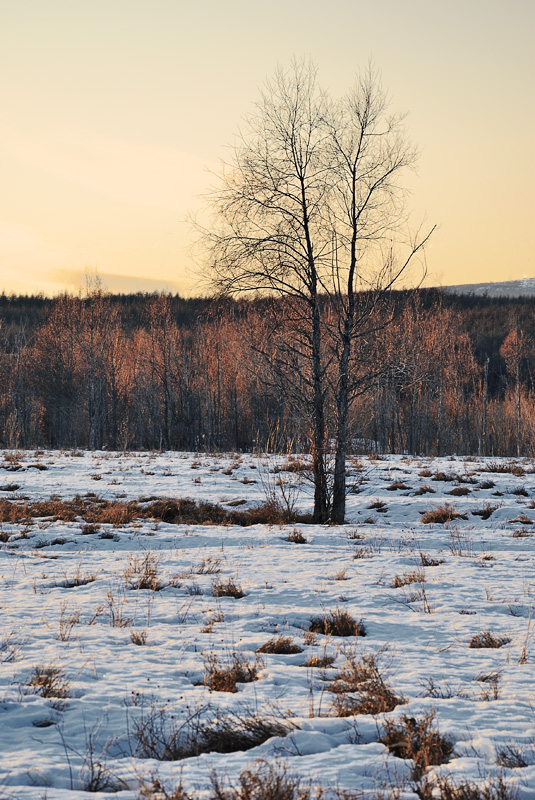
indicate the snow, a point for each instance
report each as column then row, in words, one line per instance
column 485, row 582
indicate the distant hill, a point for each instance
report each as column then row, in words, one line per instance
column 525, row 287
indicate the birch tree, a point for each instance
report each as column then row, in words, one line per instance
column 311, row 208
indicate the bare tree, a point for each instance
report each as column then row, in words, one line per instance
column 311, row 208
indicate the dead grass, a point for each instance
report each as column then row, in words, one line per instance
column 94, row 510
column 142, row 572
column 296, row 537
column 319, row 662
column 49, row 682
column 459, row 491
column 418, row 740
column 224, row 677
column 281, row 645
column 418, row 576
column 505, row 467
column 337, row 623
column 379, row 506
column 523, row 519
column 424, row 489
column 158, row 734
column 361, row 689
column 227, row 589
column 262, row 781
column 139, row 638
column 487, row 640
column 428, row 561
column 448, row 789
column 441, row 515
column 485, row 512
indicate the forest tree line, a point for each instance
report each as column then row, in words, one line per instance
column 437, row 374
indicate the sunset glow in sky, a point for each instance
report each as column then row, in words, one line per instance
column 116, row 112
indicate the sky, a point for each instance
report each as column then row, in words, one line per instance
column 116, row 115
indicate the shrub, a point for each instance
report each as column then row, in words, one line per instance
column 337, row 623
column 460, row 491
column 281, row 645
column 417, row 739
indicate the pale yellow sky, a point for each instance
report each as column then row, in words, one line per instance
column 114, row 113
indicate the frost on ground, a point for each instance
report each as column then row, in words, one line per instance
column 395, row 651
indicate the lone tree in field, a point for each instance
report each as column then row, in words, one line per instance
column 310, row 208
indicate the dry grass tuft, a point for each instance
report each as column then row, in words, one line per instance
column 319, row 662
column 485, row 512
column 225, row 677
column 163, row 737
column 418, row 740
column 142, row 572
column 362, row 677
column 441, row 515
column 296, row 537
column 491, row 789
column 227, row 589
column 428, row 561
column 418, row 576
column 487, row 640
column 337, row 623
column 505, row 467
column 50, row 682
column 265, row 781
column 281, row 645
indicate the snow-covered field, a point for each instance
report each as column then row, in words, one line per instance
column 97, row 676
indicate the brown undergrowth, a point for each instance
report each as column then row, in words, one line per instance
column 95, row 510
